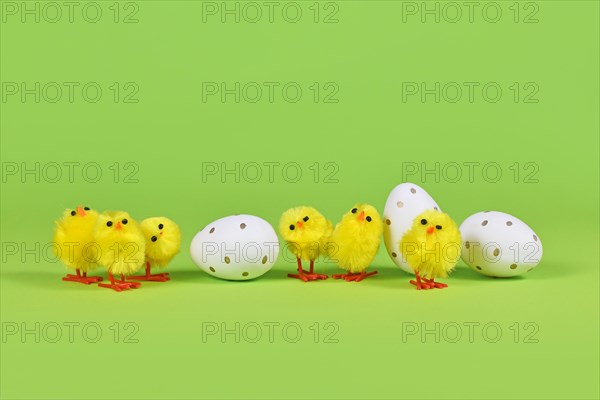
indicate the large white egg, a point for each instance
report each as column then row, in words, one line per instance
column 499, row 244
column 406, row 201
column 238, row 247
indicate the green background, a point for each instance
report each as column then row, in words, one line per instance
column 369, row 133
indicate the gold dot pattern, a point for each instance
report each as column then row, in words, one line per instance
column 244, row 274
column 242, row 226
column 508, row 223
column 413, row 190
column 212, row 269
column 264, row 260
column 496, row 252
column 227, row 260
column 387, row 221
column 467, row 245
column 211, row 230
column 399, row 204
column 513, row 266
column 484, row 223
column 394, row 254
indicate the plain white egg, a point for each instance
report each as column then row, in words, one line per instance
column 404, row 203
column 499, row 244
column 238, row 247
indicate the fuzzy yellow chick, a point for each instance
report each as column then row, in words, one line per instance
column 355, row 242
column 431, row 248
column 122, row 246
column 163, row 240
column 307, row 233
column 73, row 239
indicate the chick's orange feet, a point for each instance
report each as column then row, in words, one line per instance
column 119, row 285
column 163, row 277
column 82, row 278
column 437, row 285
column 353, row 277
column 424, row 283
column 133, row 285
column 307, row 276
column 313, row 275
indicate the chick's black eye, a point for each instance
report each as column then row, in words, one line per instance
column 438, row 227
column 305, row 219
column 124, row 221
column 292, row 227
column 160, row 226
column 368, row 219
column 73, row 213
column 109, row 223
column 354, row 210
column 154, row 238
column 423, row 221
column 86, row 208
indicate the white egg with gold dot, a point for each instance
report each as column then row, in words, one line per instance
column 499, row 244
column 403, row 205
column 238, row 247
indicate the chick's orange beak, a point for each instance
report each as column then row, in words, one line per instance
column 430, row 230
column 80, row 211
column 300, row 224
column 361, row 216
column 118, row 226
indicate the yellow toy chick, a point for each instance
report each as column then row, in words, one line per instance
column 73, row 238
column 431, row 248
column 355, row 240
column 307, row 232
column 163, row 240
column 122, row 247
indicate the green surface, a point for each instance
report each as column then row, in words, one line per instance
column 374, row 127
